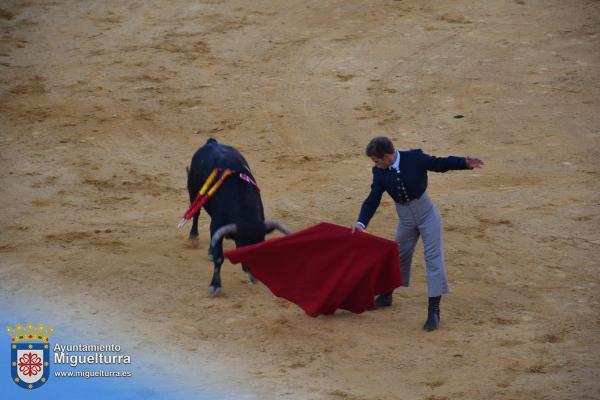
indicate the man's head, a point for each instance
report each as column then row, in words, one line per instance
column 381, row 150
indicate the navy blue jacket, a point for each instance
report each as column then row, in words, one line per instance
column 407, row 184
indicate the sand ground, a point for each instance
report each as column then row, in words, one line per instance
column 102, row 105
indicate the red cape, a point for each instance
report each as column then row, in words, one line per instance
column 324, row 267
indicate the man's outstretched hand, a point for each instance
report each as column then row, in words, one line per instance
column 474, row 162
column 356, row 226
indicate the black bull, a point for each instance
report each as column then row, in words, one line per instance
column 235, row 209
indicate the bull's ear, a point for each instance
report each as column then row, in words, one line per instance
column 271, row 225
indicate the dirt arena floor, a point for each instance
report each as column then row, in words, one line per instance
column 102, row 105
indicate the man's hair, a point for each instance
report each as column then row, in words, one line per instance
column 378, row 146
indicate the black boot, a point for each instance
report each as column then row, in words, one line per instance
column 433, row 314
column 383, row 300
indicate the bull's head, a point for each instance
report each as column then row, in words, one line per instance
column 244, row 236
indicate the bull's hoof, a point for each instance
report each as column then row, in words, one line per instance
column 193, row 236
column 252, row 278
column 214, row 291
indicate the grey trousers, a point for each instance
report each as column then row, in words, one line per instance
column 420, row 217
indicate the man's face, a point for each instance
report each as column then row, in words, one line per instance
column 384, row 162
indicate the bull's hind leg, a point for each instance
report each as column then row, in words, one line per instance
column 194, row 231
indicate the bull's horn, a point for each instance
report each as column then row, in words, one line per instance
column 223, row 231
column 272, row 224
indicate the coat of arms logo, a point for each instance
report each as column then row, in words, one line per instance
column 30, row 355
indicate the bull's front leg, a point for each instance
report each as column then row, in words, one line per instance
column 251, row 276
column 215, row 284
column 216, row 244
column 210, row 253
